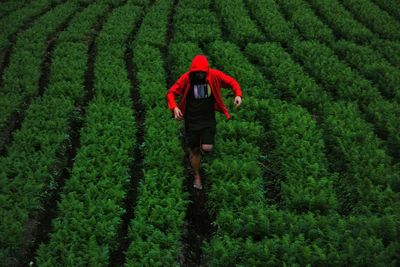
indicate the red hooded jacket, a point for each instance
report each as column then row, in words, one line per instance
column 215, row 78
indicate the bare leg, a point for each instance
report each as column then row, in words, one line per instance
column 195, row 159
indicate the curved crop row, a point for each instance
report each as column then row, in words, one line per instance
column 307, row 23
column 227, row 56
column 299, row 155
column 11, row 22
column 308, row 238
column 200, row 4
column 195, row 23
column 154, row 26
column 332, row 240
column 328, row 240
column 21, row 78
column 390, row 6
column 155, row 230
column 229, row 249
column 341, row 21
column 232, row 60
column 236, row 194
column 341, row 140
column 389, row 49
column 7, row 7
column 267, row 14
column 160, row 211
column 372, row 66
column 367, row 181
column 91, row 204
column 293, row 86
column 346, row 27
column 39, row 146
column 241, row 29
column 374, row 18
column 346, row 84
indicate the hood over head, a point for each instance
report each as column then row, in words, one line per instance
column 199, row 63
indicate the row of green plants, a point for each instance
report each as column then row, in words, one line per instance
column 389, row 49
column 201, row 4
column 10, row 6
column 346, row 84
column 374, row 18
column 268, row 15
column 305, row 21
column 154, row 26
column 36, row 157
column 369, row 184
column 225, row 249
column 341, row 21
column 155, row 230
column 91, row 205
column 372, row 66
column 236, row 186
column 318, row 98
column 271, row 21
column 10, row 22
column 161, row 203
column 350, row 141
column 327, row 240
column 243, row 250
column 390, row 6
column 235, row 191
column 369, row 62
column 235, row 19
column 310, row 249
column 388, row 81
column 21, row 78
column 298, row 155
column 307, row 238
column 290, row 166
column 289, row 81
column 230, row 60
column 195, row 23
column 312, row 238
column 343, row 250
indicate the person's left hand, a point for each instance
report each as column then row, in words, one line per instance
column 238, row 101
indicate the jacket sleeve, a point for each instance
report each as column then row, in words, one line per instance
column 174, row 91
column 228, row 81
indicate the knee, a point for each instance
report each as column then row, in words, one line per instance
column 206, row 149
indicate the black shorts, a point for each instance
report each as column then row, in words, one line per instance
column 195, row 138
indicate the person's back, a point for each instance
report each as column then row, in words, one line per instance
column 201, row 90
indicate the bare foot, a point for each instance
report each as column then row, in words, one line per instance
column 197, row 183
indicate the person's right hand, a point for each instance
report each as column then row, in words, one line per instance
column 178, row 113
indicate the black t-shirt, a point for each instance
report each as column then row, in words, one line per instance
column 199, row 112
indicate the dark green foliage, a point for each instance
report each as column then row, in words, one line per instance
column 287, row 76
column 90, row 209
column 267, row 14
column 307, row 23
column 389, row 49
column 345, row 84
column 196, row 26
column 21, row 78
column 372, row 66
column 341, row 21
column 229, row 59
column 374, row 18
column 390, row 6
column 236, row 21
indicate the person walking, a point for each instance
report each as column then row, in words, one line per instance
column 200, row 89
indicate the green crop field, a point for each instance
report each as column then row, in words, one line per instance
column 94, row 170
